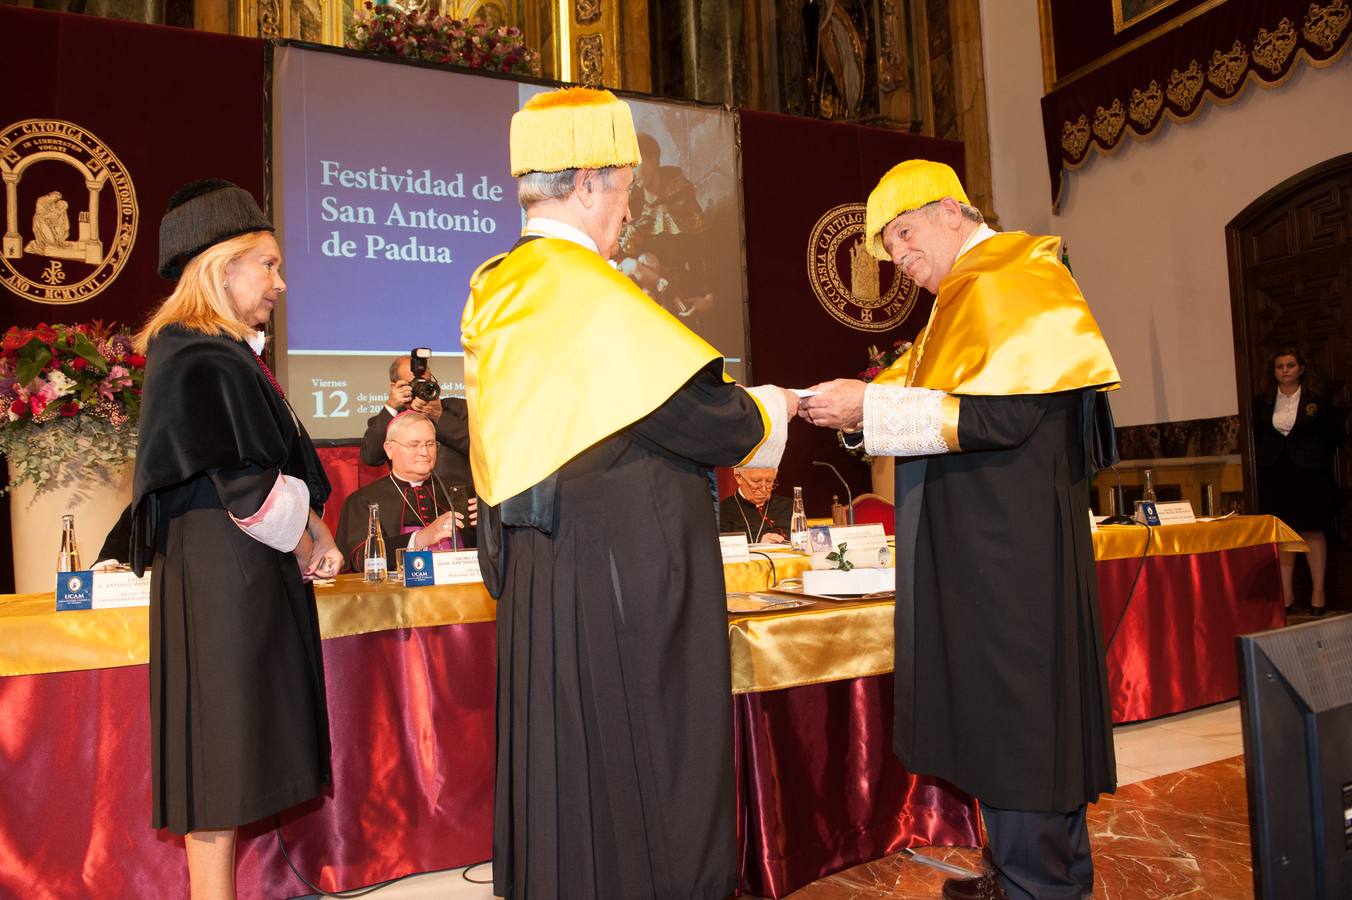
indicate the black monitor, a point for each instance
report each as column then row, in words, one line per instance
column 1296, row 704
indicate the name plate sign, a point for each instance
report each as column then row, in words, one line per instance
column 428, row 567
column 866, row 545
column 1175, row 513
column 100, row 590
column 735, row 547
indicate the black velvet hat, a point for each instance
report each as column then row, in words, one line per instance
column 203, row 213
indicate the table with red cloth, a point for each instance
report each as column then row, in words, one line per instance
column 820, row 789
column 410, row 687
column 410, row 680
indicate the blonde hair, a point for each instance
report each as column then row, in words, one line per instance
column 199, row 302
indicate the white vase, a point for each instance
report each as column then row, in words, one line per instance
column 883, row 470
column 35, row 522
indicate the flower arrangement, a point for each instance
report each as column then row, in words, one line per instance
column 881, row 359
column 69, row 394
column 388, row 29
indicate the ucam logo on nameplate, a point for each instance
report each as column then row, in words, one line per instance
column 74, row 590
column 427, row 567
column 101, row 590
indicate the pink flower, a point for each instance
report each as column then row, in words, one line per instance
column 117, row 379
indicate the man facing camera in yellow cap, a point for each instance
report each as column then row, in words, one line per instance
column 1000, row 684
column 594, row 418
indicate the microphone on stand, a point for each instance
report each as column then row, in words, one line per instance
column 849, row 497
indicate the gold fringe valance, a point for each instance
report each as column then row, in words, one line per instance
column 1210, row 59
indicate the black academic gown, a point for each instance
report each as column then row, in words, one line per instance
column 736, row 513
column 395, row 516
column 1000, row 685
column 452, row 428
column 614, row 740
column 239, row 726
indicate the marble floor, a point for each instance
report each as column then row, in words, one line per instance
column 1177, row 827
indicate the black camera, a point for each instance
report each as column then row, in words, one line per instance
column 424, row 388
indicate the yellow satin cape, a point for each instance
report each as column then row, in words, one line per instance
column 562, row 351
column 1009, row 319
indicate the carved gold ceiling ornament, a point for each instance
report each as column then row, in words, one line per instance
column 891, row 62
column 587, row 11
column 1271, row 48
column 1145, row 105
column 1075, row 136
column 269, row 19
column 590, row 60
column 1108, row 122
column 1185, row 86
column 1324, row 25
column 1227, row 69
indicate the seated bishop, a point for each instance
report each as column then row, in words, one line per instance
column 416, row 506
column 755, row 509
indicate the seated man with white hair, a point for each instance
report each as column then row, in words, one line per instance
column 415, row 504
column 754, row 509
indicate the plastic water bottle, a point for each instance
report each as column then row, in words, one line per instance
column 68, row 560
column 375, row 545
column 798, row 527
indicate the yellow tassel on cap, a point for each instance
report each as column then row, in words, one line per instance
column 907, row 186
column 573, row 128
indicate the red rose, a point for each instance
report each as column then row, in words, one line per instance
column 135, row 359
column 70, row 409
column 18, row 407
column 79, row 363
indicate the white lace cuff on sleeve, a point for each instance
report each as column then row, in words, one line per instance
column 907, row 421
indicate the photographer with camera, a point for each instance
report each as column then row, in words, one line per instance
column 413, row 386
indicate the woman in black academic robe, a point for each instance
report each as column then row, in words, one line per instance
column 226, row 496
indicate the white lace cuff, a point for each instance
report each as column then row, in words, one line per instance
column 906, row 421
column 771, row 401
column 283, row 516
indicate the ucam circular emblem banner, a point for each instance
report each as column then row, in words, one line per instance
column 70, row 212
column 855, row 288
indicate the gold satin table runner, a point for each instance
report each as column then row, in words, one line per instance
column 837, row 641
column 822, row 642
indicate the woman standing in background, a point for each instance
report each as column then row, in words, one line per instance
column 1295, row 437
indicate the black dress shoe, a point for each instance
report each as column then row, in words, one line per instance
column 987, row 887
column 984, row 887
column 1318, row 611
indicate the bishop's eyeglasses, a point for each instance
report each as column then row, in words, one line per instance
column 415, row 446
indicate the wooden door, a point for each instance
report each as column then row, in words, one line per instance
column 1290, row 258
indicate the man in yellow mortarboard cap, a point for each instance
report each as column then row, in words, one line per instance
column 594, row 419
column 993, row 415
